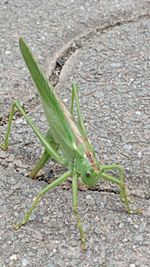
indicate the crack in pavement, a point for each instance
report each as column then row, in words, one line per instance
column 83, row 187
column 116, row 192
column 75, row 44
column 59, row 61
column 61, row 57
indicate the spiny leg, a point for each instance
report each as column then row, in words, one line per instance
column 58, row 181
column 120, row 181
column 75, row 209
column 48, row 147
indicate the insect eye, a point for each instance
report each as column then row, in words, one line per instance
column 88, row 174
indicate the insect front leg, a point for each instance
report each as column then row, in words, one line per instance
column 45, row 156
column 75, row 209
column 58, row 181
column 40, row 164
column 120, row 181
column 45, row 143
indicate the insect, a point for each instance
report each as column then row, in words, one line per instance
column 65, row 142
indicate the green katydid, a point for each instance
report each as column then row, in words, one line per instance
column 65, row 142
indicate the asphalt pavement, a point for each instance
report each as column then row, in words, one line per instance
column 103, row 46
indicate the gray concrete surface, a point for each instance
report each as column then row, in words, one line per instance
column 111, row 65
column 48, row 26
column 114, row 237
column 112, row 69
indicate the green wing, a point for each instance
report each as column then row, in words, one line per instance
column 58, row 123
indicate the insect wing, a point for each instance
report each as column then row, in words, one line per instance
column 59, row 126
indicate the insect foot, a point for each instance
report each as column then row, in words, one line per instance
column 3, row 147
column 137, row 211
column 17, row 226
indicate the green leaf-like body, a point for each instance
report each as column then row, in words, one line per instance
column 58, row 117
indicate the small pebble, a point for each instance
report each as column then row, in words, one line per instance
column 96, row 218
column 18, row 163
column 13, row 257
column 121, row 225
column 25, row 262
column 21, row 120
column 38, row 236
column 10, row 158
column 138, row 113
column 139, row 154
column 3, row 154
column 65, row 100
column 148, row 211
column 90, row 200
column 142, row 227
column 129, row 220
column 7, row 52
column 50, row 264
column 127, row 147
column 132, row 265
column 138, row 238
column 4, row 162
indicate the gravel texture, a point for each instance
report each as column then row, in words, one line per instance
column 48, row 25
column 113, row 70
column 110, row 62
column 114, row 237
